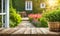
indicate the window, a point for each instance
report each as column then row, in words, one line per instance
column 42, row 5
column 4, row 13
column 28, row 5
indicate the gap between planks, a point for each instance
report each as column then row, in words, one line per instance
column 26, row 31
column 8, row 31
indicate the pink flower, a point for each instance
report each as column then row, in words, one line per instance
column 34, row 16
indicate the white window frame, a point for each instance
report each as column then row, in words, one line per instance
column 6, row 13
column 27, row 5
column 42, row 5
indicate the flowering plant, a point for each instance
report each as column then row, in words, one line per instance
column 34, row 16
column 37, row 20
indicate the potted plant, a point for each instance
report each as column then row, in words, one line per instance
column 53, row 18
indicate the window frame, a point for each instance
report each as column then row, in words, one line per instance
column 28, row 5
column 41, row 5
column 5, row 12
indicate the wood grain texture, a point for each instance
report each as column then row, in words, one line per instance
column 20, row 31
column 11, row 30
column 33, row 31
column 39, row 31
column 4, row 31
column 1, row 29
column 27, row 31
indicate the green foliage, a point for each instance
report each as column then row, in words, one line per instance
column 36, row 7
column 19, row 5
column 53, row 16
column 37, row 24
column 29, row 12
column 0, row 24
column 30, row 19
column 43, row 22
column 0, row 18
column 12, row 24
column 0, row 21
column 15, row 18
column 40, row 23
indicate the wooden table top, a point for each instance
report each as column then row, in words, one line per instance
column 27, row 31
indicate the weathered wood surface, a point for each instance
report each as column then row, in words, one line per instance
column 27, row 31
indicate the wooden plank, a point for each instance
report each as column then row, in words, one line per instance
column 33, row 31
column 50, row 32
column 4, row 31
column 1, row 29
column 10, row 31
column 20, row 31
column 44, row 31
column 39, row 31
column 28, row 31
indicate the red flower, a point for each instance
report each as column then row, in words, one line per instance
column 34, row 16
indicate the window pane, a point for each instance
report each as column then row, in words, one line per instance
column 3, row 20
column 0, row 6
column 2, row 10
column 3, row 5
column 42, row 5
column 28, row 5
column 2, row 23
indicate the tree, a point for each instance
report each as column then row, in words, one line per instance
column 36, row 6
column 54, row 6
column 19, row 5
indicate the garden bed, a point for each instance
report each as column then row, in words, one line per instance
column 37, row 20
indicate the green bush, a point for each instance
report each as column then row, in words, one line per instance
column 19, row 4
column 0, row 21
column 38, row 21
column 43, row 22
column 36, row 24
column 13, row 24
column 15, row 18
column 0, row 24
column 53, row 16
